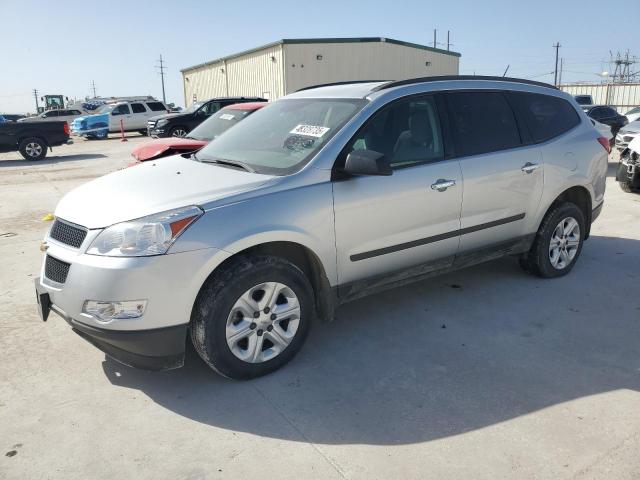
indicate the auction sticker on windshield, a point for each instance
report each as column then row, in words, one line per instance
column 310, row 130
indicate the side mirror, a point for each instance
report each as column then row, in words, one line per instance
column 367, row 162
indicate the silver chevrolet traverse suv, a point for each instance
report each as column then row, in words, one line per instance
column 323, row 196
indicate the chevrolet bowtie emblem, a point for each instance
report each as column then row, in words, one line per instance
column 43, row 246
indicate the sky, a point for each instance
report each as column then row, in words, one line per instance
column 60, row 47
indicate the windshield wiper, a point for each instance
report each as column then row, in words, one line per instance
column 226, row 163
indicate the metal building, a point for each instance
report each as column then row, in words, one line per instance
column 282, row 67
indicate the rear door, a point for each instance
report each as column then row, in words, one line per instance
column 503, row 177
column 388, row 227
column 139, row 115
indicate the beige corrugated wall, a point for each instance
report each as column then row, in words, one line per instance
column 281, row 69
column 361, row 61
column 255, row 74
column 623, row 96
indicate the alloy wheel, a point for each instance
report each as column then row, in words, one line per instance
column 179, row 132
column 33, row 149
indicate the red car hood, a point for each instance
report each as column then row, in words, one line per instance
column 162, row 147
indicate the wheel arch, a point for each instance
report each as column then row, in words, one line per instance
column 579, row 195
column 26, row 136
column 302, row 257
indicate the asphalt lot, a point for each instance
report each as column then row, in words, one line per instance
column 486, row 373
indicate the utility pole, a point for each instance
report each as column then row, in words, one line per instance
column 560, row 77
column 434, row 38
column 448, row 42
column 93, row 87
column 555, row 78
column 35, row 95
column 162, row 68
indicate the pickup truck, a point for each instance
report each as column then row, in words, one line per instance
column 32, row 139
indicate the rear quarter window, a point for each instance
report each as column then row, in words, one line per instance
column 156, row 107
column 546, row 117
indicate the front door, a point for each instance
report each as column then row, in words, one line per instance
column 390, row 226
column 119, row 113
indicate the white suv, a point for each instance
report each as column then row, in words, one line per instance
column 321, row 197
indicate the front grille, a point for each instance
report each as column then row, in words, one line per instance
column 68, row 234
column 56, row 270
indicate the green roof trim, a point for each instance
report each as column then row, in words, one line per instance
column 294, row 41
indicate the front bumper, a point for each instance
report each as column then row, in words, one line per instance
column 168, row 283
column 157, row 132
column 156, row 349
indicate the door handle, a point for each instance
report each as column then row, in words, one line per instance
column 529, row 167
column 441, row 184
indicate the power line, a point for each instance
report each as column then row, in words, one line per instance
column 162, row 68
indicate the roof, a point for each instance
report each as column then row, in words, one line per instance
column 245, row 106
column 364, row 89
column 295, row 41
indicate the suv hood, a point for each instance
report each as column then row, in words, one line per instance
column 166, row 116
column 152, row 187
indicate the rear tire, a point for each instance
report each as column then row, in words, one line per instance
column 252, row 317
column 33, row 148
column 558, row 242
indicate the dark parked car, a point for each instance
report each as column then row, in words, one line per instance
column 33, row 138
column 607, row 115
column 180, row 124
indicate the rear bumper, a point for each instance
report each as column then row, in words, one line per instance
column 155, row 349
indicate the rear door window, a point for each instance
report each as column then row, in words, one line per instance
column 138, row 108
column 481, row 122
column 546, row 116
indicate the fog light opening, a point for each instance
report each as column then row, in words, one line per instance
column 106, row 311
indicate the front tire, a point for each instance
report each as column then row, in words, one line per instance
column 558, row 242
column 252, row 317
column 628, row 187
column 33, row 148
column 178, row 132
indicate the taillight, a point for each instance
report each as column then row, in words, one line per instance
column 605, row 144
column 66, row 128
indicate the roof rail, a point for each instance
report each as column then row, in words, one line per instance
column 411, row 81
column 311, row 87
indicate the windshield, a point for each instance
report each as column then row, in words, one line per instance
column 219, row 122
column 105, row 109
column 281, row 137
column 193, row 107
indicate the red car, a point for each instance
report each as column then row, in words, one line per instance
column 218, row 123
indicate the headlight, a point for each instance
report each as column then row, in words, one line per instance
column 161, row 123
column 152, row 235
